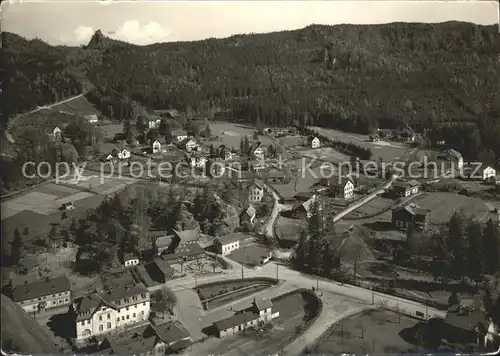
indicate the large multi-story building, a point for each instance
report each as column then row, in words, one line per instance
column 104, row 311
column 41, row 294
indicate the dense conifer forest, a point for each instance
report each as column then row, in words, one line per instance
column 438, row 77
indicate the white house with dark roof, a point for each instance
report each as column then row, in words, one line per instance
column 41, row 294
column 255, row 192
column 154, row 122
column 156, row 146
column 187, row 236
column 314, row 142
column 123, row 154
column 487, row 172
column 130, row 260
column 56, row 133
column 344, row 188
column 260, row 312
column 226, row 244
column 105, row 311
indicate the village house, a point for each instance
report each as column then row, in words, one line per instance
column 105, row 311
column 56, row 133
column 188, row 252
column 130, row 260
column 156, row 146
column 226, row 244
column 260, row 312
column 41, row 294
column 154, row 123
column 183, row 237
column 410, row 215
column 67, row 206
column 260, row 152
column 343, row 188
column 487, row 173
column 452, row 156
column 160, row 270
column 405, row 189
column 188, row 145
column 255, row 192
column 302, row 210
column 147, row 339
column 124, row 154
column 248, row 215
column 197, row 161
column 91, row 119
column 162, row 242
column 495, row 216
column 314, row 142
column 181, row 138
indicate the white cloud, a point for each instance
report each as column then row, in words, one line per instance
column 83, row 34
column 133, row 32
column 130, row 31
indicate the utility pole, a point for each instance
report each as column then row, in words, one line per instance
column 426, row 312
column 342, row 337
column 317, row 283
column 195, row 281
column 373, row 295
column 242, row 276
column 277, row 275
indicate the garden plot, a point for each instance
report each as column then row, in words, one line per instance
column 375, row 332
column 199, row 266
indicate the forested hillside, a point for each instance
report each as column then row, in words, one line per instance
column 350, row 77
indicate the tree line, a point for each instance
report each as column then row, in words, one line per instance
column 430, row 76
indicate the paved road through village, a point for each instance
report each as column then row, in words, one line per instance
column 332, row 290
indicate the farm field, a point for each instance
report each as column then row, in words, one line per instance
column 375, row 332
column 386, row 150
column 270, row 340
column 231, row 134
column 323, row 153
column 443, row 205
column 252, row 255
column 291, row 141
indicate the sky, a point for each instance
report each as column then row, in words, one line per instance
column 73, row 22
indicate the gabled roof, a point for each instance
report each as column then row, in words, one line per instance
column 187, row 235
column 229, row 238
column 164, row 241
column 257, row 184
column 263, row 303
column 187, row 250
column 40, row 288
column 250, row 211
column 235, row 320
column 341, row 183
column 412, row 208
column 454, row 153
